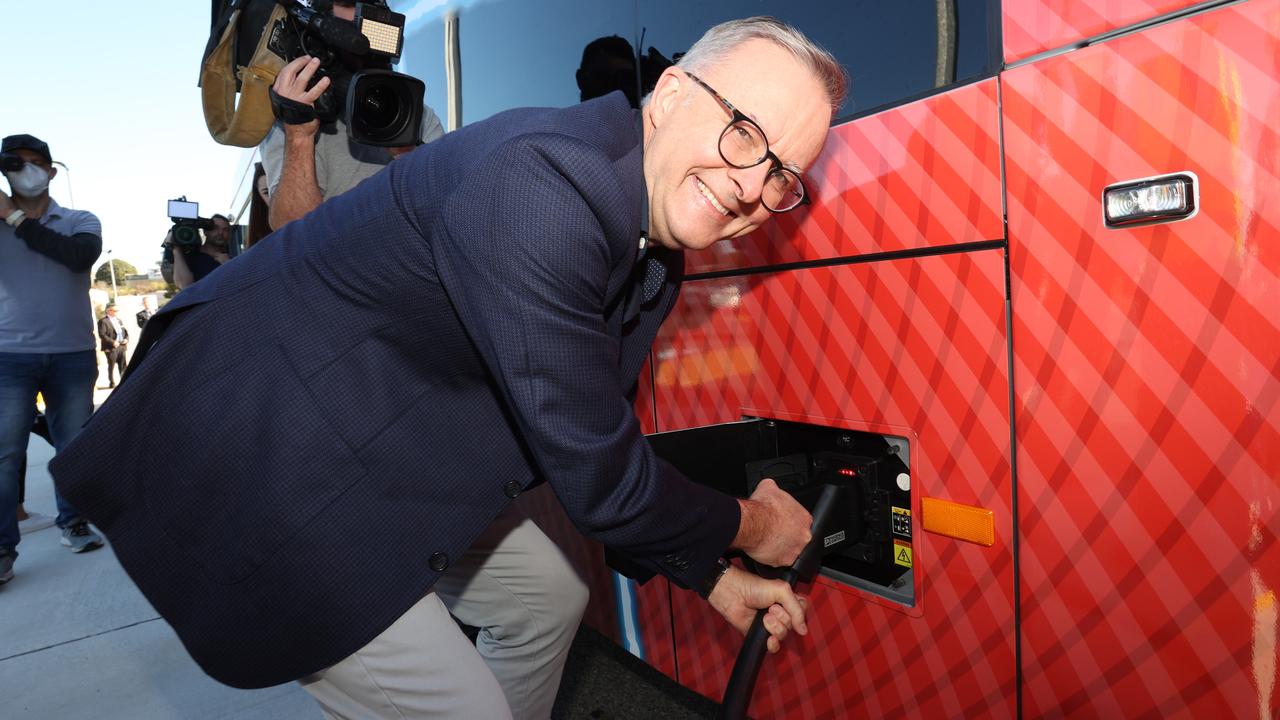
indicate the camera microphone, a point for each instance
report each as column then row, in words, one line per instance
column 341, row 34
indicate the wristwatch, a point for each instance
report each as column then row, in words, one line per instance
column 709, row 584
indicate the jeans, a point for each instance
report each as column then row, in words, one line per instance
column 66, row 380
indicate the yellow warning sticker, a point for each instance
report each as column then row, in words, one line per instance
column 901, row 553
column 901, row 521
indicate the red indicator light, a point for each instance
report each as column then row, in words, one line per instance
column 847, row 472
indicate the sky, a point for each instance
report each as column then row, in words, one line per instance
column 111, row 86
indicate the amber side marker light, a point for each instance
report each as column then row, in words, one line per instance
column 962, row 522
column 1164, row 198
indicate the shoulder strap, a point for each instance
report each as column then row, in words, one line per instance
column 247, row 124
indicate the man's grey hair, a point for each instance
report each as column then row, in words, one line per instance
column 722, row 39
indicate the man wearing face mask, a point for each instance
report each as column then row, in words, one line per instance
column 47, row 343
column 191, row 266
column 309, row 163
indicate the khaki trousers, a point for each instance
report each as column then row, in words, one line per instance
column 526, row 598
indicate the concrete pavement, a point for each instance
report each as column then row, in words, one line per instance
column 79, row 642
column 77, row 639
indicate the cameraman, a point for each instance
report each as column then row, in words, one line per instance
column 307, row 164
column 190, row 265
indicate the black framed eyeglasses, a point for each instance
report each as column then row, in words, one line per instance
column 743, row 145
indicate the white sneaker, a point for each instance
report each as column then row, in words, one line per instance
column 80, row 538
column 35, row 521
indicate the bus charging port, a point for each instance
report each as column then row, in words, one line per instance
column 868, row 544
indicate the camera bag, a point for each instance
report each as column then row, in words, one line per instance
column 243, row 24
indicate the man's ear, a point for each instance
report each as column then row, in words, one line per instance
column 665, row 95
column 53, row 172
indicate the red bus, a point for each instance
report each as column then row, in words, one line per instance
column 1033, row 309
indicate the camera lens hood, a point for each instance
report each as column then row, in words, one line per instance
column 384, row 108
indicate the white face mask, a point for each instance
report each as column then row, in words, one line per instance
column 30, row 181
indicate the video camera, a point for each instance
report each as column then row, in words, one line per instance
column 379, row 107
column 187, row 223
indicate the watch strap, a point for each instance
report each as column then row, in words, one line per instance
column 709, row 583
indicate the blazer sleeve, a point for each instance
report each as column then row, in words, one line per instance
column 522, row 250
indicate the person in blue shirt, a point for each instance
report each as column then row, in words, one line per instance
column 47, row 343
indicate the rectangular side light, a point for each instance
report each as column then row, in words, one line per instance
column 1151, row 200
column 962, row 522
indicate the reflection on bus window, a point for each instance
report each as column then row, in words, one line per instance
column 517, row 53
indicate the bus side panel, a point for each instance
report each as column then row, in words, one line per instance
column 1147, row 373
column 925, row 174
column 1034, row 26
column 654, row 618
column 913, row 347
column 653, row 599
column 644, row 399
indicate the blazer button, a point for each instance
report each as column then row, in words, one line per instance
column 438, row 562
column 511, row 489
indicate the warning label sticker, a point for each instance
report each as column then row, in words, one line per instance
column 901, row 522
column 901, row 553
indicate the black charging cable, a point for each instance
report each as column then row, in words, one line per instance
column 746, row 669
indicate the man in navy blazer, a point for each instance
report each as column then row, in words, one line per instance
column 317, row 446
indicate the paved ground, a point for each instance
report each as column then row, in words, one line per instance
column 77, row 640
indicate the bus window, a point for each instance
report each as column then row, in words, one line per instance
column 889, row 49
column 517, row 53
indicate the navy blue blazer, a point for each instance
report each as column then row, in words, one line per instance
column 309, row 435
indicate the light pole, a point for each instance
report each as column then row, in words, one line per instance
column 111, row 265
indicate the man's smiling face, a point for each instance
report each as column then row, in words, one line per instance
column 695, row 197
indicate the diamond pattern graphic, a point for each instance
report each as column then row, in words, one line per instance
column 926, row 174
column 1147, row 373
column 914, row 347
column 1145, row 381
column 1035, row 27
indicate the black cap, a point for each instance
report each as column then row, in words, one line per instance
column 27, row 142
